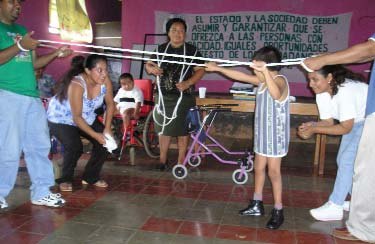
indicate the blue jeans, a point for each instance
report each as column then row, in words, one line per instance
column 345, row 164
column 24, row 128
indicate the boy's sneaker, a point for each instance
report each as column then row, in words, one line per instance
column 346, row 206
column 3, row 203
column 52, row 200
column 328, row 212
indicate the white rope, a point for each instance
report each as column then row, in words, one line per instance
column 160, row 106
column 267, row 65
column 127, row 57
column 224, row 62
column 138, row 51
column 306, row 68
column 292, row 59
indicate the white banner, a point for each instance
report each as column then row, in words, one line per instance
column 235, row 36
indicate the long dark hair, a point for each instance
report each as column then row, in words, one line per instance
column 339, row 74
column 77, row 66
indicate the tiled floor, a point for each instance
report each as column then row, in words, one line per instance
column 146, row 206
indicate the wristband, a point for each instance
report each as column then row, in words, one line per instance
column 20, row 47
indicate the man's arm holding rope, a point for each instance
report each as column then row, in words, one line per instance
column 41, row 61
column 360, row 53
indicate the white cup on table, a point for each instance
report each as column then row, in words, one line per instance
column 202, row 92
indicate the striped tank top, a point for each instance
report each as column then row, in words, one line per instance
column 271, row 124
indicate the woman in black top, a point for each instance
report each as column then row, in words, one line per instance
column 174, row 79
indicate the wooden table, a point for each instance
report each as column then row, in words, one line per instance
column 296, row 108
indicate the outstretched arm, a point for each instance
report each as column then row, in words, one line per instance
column 328, row 127
column 28, row 43
column 360, row 53
column 41, row 61
column 232, row 74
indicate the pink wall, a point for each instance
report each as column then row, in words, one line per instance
column 35, row 18
column 138, row 19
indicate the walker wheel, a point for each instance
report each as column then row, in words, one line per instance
column 179, row 171
column 238, row 178
column 194, row 161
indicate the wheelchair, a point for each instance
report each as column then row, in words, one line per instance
column 140, row 132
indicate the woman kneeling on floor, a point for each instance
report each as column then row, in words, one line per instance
column 71, row 116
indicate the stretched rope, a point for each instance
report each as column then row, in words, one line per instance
column 222, row 62
column 160, row 108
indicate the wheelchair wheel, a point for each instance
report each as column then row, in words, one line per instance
column 150, row 137
column 118, row 130
column 179, row 171
column 194, row 161
column 237, row 179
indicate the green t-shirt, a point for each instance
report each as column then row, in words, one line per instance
column 17, row 75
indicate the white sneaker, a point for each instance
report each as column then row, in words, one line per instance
column 346, row 206
column 57, row 196
column 328, row 212
column 52, row 200
column 3, row 203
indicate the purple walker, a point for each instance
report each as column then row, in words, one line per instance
column 201, row 137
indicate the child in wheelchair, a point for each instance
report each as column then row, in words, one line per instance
column 128, row 99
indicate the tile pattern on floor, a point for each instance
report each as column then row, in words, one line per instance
column 142, row 205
